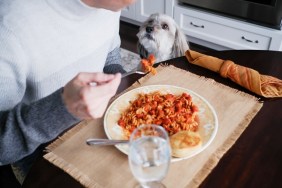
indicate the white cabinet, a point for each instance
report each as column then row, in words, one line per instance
column 128, row 12
column 222, row 33
column 142, row 9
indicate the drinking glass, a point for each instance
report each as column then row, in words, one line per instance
column 149, row 155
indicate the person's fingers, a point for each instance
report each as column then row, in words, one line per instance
column 106, row 89
column 99, row 78
column 106, row 92
column 85, row 101
column 105, row 78
column 93, row 108
column 98, row 112
column 113, row 84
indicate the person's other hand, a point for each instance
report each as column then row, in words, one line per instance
column 85, row 101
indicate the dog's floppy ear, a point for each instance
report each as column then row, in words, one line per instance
column 180, row 44
column 142, row 51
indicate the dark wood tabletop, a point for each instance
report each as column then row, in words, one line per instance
column 255, row 160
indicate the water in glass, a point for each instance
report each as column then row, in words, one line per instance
column 149, row 156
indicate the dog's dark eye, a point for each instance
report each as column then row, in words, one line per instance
column 165, row 26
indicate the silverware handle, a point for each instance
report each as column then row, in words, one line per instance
column 128, row 73
column 105, row 142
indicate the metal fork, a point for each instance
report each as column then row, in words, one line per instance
column 105, row 142
column 137, row 70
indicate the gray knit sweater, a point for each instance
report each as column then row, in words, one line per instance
column 43, row 44
column 25, row 127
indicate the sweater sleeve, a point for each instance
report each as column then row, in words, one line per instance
column 113, row 62
column 25, row 127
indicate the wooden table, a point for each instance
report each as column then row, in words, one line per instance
column 255, row 160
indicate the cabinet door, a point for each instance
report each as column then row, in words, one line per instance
column 222, row 33
column 144, row 8
column 129, row 12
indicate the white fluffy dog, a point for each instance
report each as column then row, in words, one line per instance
column 161, row 36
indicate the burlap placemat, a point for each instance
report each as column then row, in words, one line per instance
column 106, row 166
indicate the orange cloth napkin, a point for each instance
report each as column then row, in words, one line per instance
column 263, row 85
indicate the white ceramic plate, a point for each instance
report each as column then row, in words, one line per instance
column 207, row 116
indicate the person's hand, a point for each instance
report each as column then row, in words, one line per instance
column 85, row 101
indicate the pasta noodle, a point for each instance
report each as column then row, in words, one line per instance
column 147, row 64
column 173, row 112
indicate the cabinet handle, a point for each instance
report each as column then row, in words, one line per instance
column 248, row 40
column 201, row 26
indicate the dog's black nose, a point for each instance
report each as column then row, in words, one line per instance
column 149, row 29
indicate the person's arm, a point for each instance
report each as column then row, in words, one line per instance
column 25, row 127
column 113, row 62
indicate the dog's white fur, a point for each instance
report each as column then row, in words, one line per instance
column 161, row 36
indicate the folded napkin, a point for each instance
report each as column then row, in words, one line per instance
column 263, row 85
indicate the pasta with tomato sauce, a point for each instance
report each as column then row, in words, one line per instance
column 173, row 112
